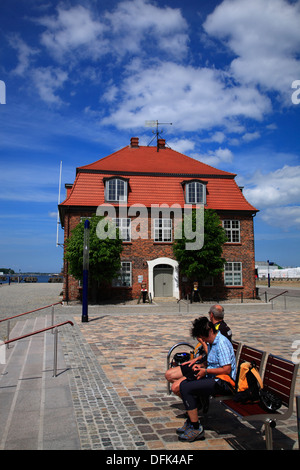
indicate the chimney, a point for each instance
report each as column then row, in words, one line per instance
column 134, row 142
column 161, row 144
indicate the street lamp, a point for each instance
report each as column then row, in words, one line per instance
column 86, row 248
column 270, row 263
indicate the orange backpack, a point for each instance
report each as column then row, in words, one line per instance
column 248, row 383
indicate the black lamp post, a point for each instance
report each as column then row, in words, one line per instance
column 86, row 247
column 270, row 263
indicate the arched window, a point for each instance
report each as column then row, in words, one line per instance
column 116, row 190
column 195, row 193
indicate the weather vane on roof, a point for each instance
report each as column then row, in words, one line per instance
column 157, row 132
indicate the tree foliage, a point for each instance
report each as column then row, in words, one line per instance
column 7, row 271
column 104, row 255
column 198, row 265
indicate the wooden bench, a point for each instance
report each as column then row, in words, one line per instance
column 280, row 378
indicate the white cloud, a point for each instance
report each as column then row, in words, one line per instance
column 139, row 21
column 47, row 81
column 25, row 54
column 71, row 31
column 218, row 137
column 276, row 194
column 249, row 136
column 251, row 29
column 277, row 188
column 216, row 157
column 284, row 217
column 78, row 32
column 52, row 215
column 182, row 145
column 192, row 98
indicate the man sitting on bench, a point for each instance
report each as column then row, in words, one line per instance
column 175, row 375
column 216, row 316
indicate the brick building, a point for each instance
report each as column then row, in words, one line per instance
column 133, row 183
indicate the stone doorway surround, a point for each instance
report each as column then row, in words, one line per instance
column 170, row 262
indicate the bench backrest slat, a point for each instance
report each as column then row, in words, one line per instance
column 235, row 346
column 252, row 355
column 279, row 377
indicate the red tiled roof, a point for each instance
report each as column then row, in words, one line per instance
column 149, row 160
column 155, row 178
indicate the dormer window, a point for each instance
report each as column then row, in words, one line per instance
column 195, row 192
column 116, row 190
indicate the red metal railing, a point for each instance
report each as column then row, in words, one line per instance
column 42, row 331
column 26, row 313
column 31, row 311
column 278, row 295
column 38, row 331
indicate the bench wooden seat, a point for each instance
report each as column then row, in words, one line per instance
column 280, row 378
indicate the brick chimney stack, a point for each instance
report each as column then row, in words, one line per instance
column 161, row 144
column 134, row 142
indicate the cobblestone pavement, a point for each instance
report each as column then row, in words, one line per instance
column 116, row 364
column 131, row 350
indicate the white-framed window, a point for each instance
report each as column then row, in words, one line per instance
column 124, row 278
column 232, row 229
column 124, row 226
column 116, row 190
column 162, row 230
column 195, row 193
column 233, row 274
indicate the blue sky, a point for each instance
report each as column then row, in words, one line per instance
column 82, row 77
